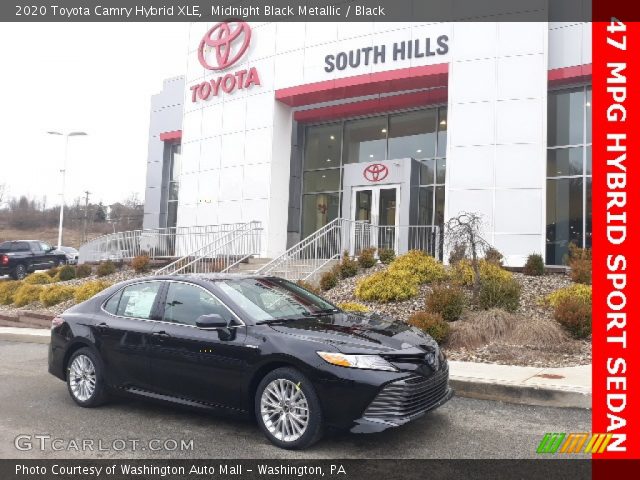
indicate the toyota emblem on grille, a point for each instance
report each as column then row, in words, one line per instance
column 376, row 172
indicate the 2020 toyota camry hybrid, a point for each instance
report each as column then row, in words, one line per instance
column 247, row 344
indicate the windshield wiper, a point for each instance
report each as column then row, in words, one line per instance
column 304, row 315
column 279, row 320
column 319, row 313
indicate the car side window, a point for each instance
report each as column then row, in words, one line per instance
column 21, row 247
column 35, row 247
column 112, row 304
column 185, row 303
column 137, row 300
column 44, row 246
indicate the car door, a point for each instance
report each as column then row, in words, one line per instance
column 189, row 362
column 38, row 257
column 49, row 259
column 123, row 334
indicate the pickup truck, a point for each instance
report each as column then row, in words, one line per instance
column 20, row 257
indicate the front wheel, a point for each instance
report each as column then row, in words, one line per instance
column 85, row 378
column 288, row 409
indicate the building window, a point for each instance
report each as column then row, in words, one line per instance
column 365, row 140
column 568, row 172
column 174, row 176
column 432, row 172
column 419, row 134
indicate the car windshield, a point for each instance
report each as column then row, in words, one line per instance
column 271, row 299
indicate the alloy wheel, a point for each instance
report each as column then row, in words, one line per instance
column 21, row 272
column 82, row 376
column 284, row 410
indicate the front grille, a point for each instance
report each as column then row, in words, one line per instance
column 409, row 396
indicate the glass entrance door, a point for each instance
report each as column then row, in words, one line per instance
column 375, row 211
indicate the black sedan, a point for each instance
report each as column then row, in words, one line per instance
column 253, row 345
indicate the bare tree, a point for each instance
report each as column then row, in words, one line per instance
column 3, row 193
column 466, row 230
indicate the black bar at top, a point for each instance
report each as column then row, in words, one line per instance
column 309, row 10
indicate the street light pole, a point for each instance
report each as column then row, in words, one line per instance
column 64, row 175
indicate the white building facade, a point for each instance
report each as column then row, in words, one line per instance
column 296, row 124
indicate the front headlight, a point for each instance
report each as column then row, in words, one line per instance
column 369, row 362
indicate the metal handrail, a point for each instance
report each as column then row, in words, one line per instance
column 221, row 254
column 311, row 253
column 310, row 256
column 157, row 243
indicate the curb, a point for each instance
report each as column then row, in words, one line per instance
column 539, row 395
column 26, row 337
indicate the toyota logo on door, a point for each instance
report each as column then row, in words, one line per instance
column 227, row 41
column 220, row 48
column 376, row 172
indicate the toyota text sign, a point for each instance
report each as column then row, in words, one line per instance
column 220, row 48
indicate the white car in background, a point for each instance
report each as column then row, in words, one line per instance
column 71, row 254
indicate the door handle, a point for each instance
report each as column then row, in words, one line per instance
column 102, row 327
column 161, row 334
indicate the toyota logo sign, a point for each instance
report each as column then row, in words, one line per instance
column 220, row 41
column 376, row 172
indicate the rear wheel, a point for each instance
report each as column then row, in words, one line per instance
column 288, row 409
column 19, row 272
column 85, row 378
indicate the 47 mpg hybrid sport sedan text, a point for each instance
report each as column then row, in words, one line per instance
column 253, row 345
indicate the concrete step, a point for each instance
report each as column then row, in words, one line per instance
column 258, row 261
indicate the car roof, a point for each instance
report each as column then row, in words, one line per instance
column 218, row 276
column 199, row 277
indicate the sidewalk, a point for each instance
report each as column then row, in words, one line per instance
column 553, row 387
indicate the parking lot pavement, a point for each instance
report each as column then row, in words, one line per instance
column 35, row 403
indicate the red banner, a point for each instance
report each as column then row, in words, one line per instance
column 616, row 235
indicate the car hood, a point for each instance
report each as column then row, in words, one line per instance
column 364, row 334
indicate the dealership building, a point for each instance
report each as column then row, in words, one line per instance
column 400, row 126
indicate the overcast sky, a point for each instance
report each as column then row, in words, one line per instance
column 93, row 77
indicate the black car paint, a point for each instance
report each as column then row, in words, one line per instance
column 220, row 369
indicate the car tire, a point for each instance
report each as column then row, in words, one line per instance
column 285, row 424
column 85, row 378
column 19, row 272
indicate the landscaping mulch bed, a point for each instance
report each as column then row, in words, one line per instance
column 566, row 354
column 563, row 352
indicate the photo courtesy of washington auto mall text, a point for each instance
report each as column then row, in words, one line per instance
column 338, row 239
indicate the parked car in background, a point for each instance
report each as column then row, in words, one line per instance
column 248, row 344
column 70, row 253
column 21, row 257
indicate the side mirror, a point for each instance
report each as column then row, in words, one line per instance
column 211, row 321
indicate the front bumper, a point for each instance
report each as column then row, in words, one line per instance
column 405, row 400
